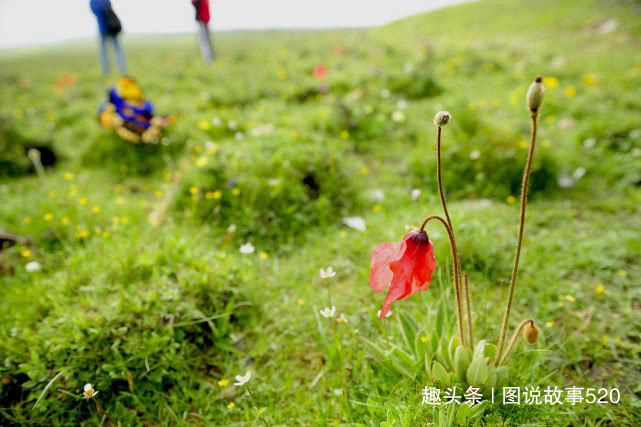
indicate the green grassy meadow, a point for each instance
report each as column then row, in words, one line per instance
column 143, row 290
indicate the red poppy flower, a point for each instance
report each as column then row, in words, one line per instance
column 405, row 266
column 320, row 72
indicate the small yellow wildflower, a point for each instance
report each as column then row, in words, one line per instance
column 83, row 201
column 198, row 148
column 511, row 200
column 549, row 323
column 605, row 340
column 82, row 234
column 68, row 176
column 617, row 340
column 26, row 220
column 64, row 220
column 26, row 253
column 523, row 144
column 569, row 91
column 550, row 82
column 48, row 217
column 343, row 234
column 621, row 273
column 204, row 125
column 193, row 190
column 212, row 148
column 364, row 171
column 105, row 234
column 599, row 290
column 231, row 405
column 159, row 193
column 264, row 255
column 590, row 79
column 377, row 208
column 426, row 338
column 217, row 194
column 344, row 134
column 223, row 383
column 301, row 302
column 120, row 200
column 202, row 161
column 235, row 191
column 124, row 219
column 95, row 209
column 569, row 298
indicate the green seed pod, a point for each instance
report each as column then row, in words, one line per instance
column 534, row 96
column 442, row 118
column 531, row 333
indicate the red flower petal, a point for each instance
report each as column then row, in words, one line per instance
column 380, row 275
column 407, row 266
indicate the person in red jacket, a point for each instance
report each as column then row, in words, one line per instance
column 203, row 16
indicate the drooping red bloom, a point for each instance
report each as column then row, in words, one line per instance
column 405, row 266
column 320, row 72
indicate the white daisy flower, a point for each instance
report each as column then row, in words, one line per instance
column 378, row 313
column 32, row 267
column 247, row 248
column 328, row 273
column 355, row 222
column 327, row 312
column 89, row 392
column 242, row 380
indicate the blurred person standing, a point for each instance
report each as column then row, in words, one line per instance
column 109, row 27
column 203, row 16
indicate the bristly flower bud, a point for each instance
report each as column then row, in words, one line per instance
column 442, row 118
column 534, row 95
column 531, row 333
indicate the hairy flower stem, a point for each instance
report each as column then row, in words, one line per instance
column 258, row 411
column 468, row 306
column 515, row 337
column 104, row 411
column 440, row 180
column 517, row 255
column 457, row 275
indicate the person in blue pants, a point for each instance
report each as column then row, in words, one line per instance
column 109, row 28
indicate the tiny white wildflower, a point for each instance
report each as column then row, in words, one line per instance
column 32, row 267
column 378, row 313
column 398, row 116
column 401, row 104
column 385, row 93
column 216, row 121
column 231, row 124
column 89, row 392
column 242, row 380
column 355, row 222
column 341, row 318
column 578, row 173
column 416, row 193
column 475, row 155
column 378, row 195
column 238, row 135
column 231, row 228
column 328, row 273
column 247, row 248
column 328, row 312
column 565, row 181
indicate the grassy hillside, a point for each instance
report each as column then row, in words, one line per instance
column 144, row 292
